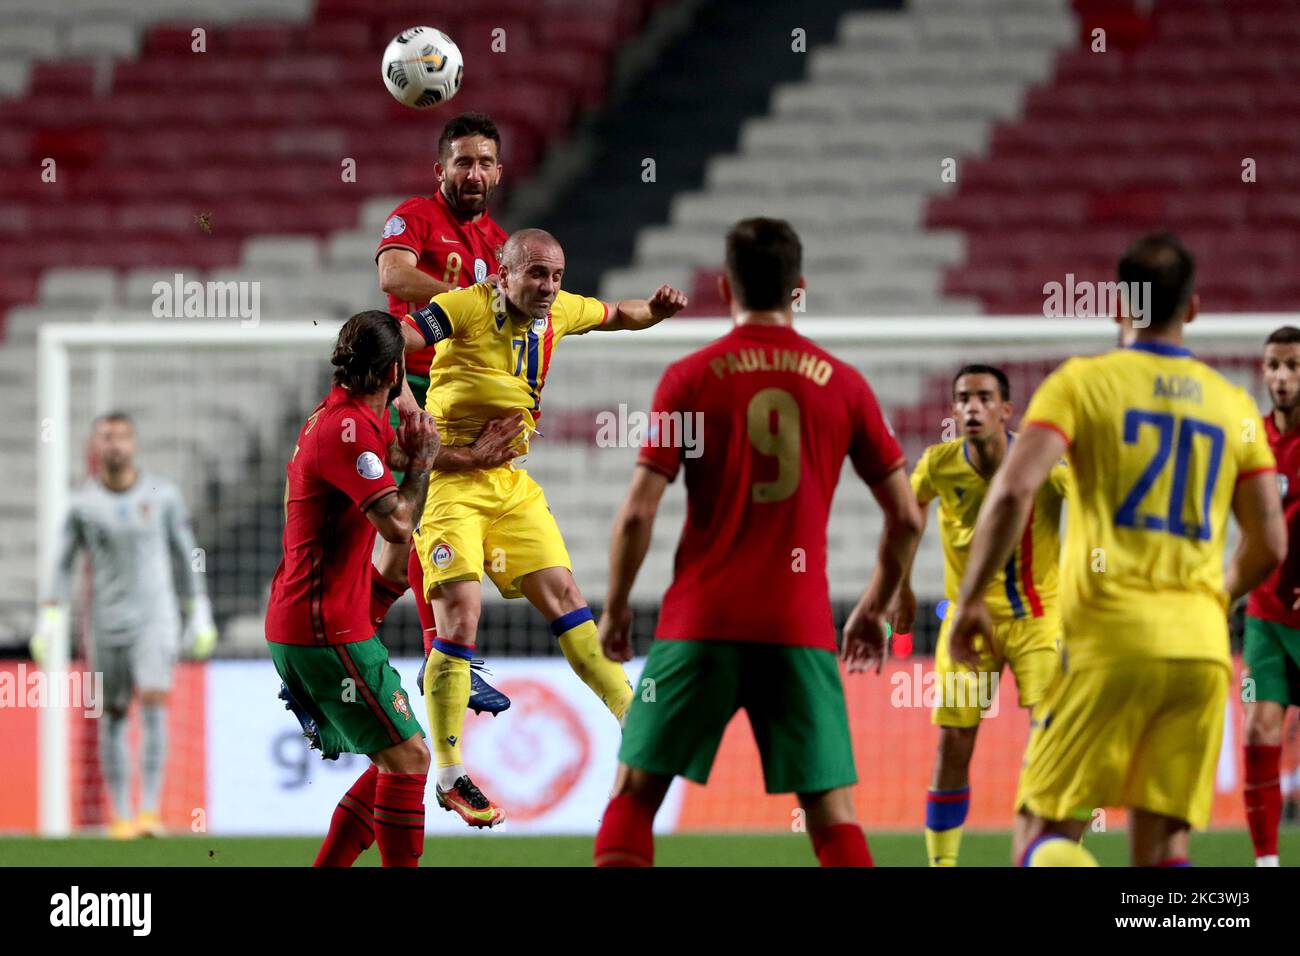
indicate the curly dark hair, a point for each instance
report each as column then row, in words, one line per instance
column 368, row 345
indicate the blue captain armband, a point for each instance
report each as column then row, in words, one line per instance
column 432, row 323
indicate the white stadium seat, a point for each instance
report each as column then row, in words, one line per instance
column 102, row 38
column 73, row 286
column 288, row 254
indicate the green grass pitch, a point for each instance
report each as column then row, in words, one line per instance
column 1216, row 848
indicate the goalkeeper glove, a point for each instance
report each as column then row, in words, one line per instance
column 200, row 629
column 49, row 625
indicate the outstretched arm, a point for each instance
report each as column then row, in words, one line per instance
column 637, row 314
column 494, row 446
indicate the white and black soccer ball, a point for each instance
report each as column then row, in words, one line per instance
column 422, row 67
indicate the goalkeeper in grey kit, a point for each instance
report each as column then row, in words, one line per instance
column 134, row 527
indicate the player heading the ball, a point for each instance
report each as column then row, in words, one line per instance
column 495, row 342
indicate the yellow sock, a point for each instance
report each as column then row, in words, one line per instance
column 945, row 813
column 607, row 679
column 446, row 694
column 941, row 846
column 1058, row 850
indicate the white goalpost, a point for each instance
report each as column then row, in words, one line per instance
column 903, row 358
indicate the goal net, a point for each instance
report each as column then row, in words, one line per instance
column 217, row 407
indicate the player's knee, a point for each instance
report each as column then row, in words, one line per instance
column 458, row 623
column 413, row 756
column 956, row 745
column 828, row 808
column 569, row 597
column 645, row 788
column 1264, row 722
column 553, row 591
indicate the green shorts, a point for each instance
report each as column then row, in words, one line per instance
column 353, row 692
column 1271, row 653
column 420, row 389
column 690, row 690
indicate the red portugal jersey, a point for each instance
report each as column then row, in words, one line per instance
column 446, row 248
column 1272, row 600
column 763, row 420
column 321, row 591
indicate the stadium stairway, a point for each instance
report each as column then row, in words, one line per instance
column 852, row 152
column 670, row 118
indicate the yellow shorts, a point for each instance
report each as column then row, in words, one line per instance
column 1142, row 733
column 495, row 521
column 1030, row 645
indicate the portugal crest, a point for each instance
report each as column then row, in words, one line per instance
column 400, row 705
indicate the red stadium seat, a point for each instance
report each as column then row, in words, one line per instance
column 1154, row 137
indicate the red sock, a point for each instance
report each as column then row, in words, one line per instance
column 415, row 574
column 1175, row 861
column 843, row 844
column 383, row 593
column 352, row 828
column 625, row 837
column 1263, row 793
column 399, row 818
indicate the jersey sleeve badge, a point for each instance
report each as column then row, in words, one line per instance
column 369, row 465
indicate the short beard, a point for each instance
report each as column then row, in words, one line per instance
column 460, row 208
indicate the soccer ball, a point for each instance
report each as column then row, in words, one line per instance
column 422, row 67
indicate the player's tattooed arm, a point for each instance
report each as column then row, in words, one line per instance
column 637, row 314
column 495, row 446
column 397, row 459
column 396, row 515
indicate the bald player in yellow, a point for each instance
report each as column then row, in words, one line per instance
column 1021, row 598
column 1161, row 448
column 494, row 343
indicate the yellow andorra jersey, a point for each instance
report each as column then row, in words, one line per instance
column 493, row 364
column 1026, row 587
column 1158, row 442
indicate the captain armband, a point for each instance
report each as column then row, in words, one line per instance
column 432, row 322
